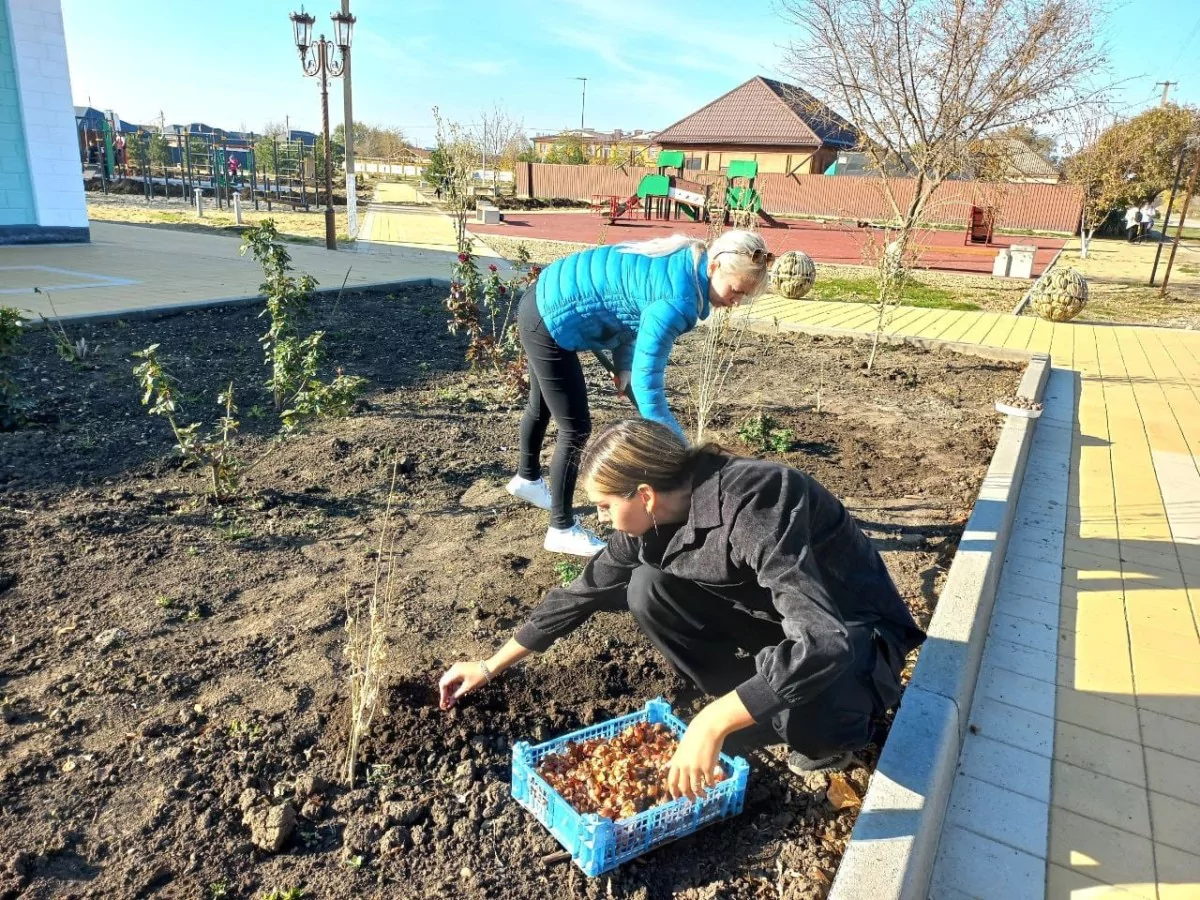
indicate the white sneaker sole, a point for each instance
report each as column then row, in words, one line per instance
column 530, row 494
column 572, row 548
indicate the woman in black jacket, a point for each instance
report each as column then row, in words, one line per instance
column 713, row 554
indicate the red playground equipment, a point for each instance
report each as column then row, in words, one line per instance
column 980, row 225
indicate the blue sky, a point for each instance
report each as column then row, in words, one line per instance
column 234, row 65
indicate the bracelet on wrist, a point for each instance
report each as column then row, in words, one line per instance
column 487, row 673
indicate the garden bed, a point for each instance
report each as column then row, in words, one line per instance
column 163, row 658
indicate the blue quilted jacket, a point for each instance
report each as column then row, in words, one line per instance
column 635, row 306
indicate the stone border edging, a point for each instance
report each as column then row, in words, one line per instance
column 895, row 839
column 894, row 844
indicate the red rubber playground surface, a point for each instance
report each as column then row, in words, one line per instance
column 826, row 243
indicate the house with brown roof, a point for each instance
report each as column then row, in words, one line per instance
column 780, row 126
column 602, row 145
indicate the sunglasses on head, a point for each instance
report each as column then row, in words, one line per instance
column 757, row 256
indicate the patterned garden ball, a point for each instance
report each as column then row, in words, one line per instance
column 793, row 275
column 1060, row 296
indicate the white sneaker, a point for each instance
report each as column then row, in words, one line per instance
column 576, row 540
column 535, row 492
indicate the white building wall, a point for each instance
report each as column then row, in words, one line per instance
column 44, row 83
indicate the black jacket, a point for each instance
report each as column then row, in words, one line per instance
column 777, row 545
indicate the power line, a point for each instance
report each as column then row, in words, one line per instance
column 1183, row 47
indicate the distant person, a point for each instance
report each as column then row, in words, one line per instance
column 1149, row 213
column 1133, row 217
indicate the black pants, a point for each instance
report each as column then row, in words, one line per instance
column 700, row 634
column 556, row 391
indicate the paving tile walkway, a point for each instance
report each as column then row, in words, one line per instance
column 1090, row 694
column 127, row 268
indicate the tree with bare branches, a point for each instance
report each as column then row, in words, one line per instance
column 924, row 81
column 498, row 136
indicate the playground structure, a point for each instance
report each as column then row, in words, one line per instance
column 981, row 225
column 198, row 160
column 667, row 195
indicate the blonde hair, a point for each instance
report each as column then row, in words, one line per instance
column 734, row 251
column 633, row 452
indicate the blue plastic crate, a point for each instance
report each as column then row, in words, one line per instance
column 597, row 844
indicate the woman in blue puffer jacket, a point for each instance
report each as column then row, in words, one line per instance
column 634, row 300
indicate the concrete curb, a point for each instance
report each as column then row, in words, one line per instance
column 162, row 312
column 894, row 844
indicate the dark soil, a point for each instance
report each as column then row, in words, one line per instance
column 172, row 672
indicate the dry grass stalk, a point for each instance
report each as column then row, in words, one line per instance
column 710, row 388
column 367, row 626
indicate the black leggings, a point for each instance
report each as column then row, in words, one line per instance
column 556, row 390
column 700, row 634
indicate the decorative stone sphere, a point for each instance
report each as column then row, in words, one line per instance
column 793, row 275
column 1060, row 296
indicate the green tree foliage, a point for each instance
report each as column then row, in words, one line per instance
column 136, row 151
column 567, row 150
column 1134, row 160
column 160, row 150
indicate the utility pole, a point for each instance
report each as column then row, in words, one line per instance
column 351, row 187
column 1166, row 86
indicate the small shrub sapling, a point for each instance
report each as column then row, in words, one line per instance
column 214, row 452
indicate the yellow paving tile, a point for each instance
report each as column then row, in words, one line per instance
column 965, row 322
column 1097, row 625
column 1172, row 775
column 848, row 312
column 1072, row 884
column 1062, row 345
column 1100, row 667
column 1098, row 713
column 1176, row 823
column 1001, row 330
column 1041, row 336
column 1100, row 753
column 1018, row 338
column 935, row 326
column 860, row 318
column 1116, row 803
column 1102, row 853
column 1178, row 873
column 1171, row 735
column 906, row 320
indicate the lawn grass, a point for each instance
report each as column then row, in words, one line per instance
column 863, row 290
column 298, row 227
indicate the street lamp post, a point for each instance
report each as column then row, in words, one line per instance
column 582, row 102
column 318, row 59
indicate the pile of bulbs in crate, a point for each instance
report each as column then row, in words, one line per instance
column 615, row 777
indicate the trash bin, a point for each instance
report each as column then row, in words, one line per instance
column 1000, row 266
column 1022, row 260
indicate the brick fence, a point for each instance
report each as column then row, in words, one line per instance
column 1021, row 207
